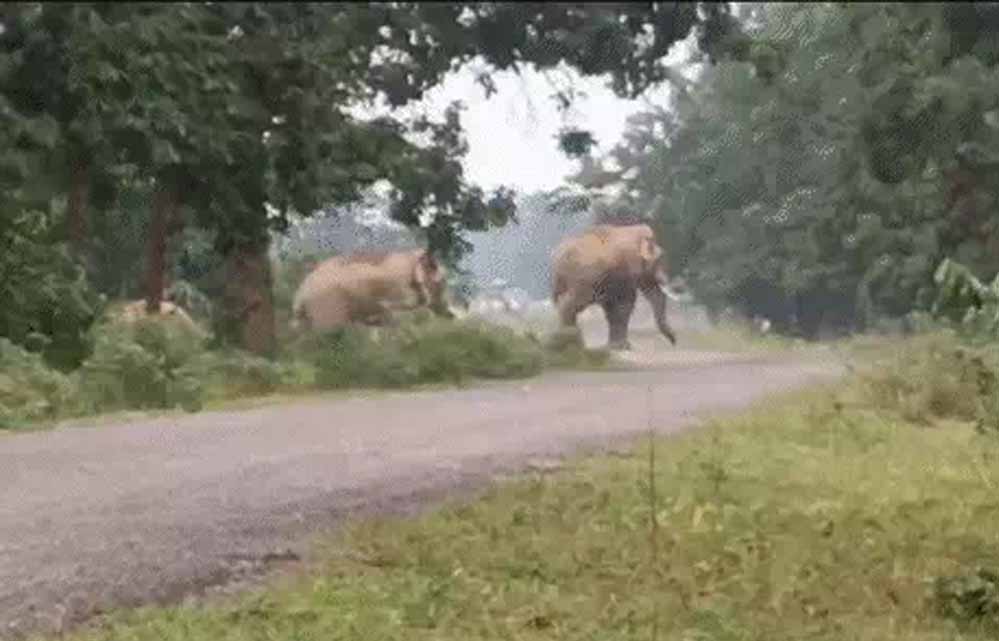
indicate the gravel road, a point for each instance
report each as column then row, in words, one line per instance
column 157, row 509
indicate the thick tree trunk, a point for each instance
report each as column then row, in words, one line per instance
column 76, row 208
column 164, row 204
column 250, row 299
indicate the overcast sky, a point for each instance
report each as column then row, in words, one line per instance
column 512, row 136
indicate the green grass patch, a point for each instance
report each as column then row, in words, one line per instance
column 160, row 364
column 827, row 515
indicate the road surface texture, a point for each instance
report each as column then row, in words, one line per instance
column 155, row 510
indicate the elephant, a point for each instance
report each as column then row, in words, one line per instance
column 135, row 310
column 365, row 288
column 605, row 265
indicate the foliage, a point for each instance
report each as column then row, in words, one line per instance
column 963, row 298
column 30, row 390
column 238, row 117
column 824, row 193
column 419, row 352
column 809, row 518
column 140, row 365
column 160, row 362
column 232, row 374
column 48, row 302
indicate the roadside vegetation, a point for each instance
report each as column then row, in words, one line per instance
column 737, row 336
column 160, row 363
column 863, row 510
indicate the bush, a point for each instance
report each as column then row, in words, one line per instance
column 419, row 350
column 234, row 374
column 161, row 362
column 50, row 304
column 30, row 390
column 140, row 365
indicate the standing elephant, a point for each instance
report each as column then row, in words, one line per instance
column 606, row 265
column 366, row 288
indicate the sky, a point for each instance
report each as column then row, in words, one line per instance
column 512, row 135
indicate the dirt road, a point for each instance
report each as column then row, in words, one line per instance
column 157, row 509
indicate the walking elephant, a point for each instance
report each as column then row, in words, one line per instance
column 606, row 265
column 367, row 287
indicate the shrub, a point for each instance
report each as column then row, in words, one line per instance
column 454, row 351
column 140, row 365
column 30, row 390
column 50, row 304
column 233, row 374
column 418, row 350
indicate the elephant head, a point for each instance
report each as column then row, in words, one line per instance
column 430, row 284
column 652, row 279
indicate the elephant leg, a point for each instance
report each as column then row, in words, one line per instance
column 568, row 309
column 618, row 312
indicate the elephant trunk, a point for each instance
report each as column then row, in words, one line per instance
column 657, row 300
column 663, row 281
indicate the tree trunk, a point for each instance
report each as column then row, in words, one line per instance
column 164, row 204
column 249, row 299
column 76, row 208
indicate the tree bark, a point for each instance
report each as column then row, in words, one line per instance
column 250, row 299
column 164, row 204
column 76, row 207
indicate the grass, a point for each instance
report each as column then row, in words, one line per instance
column 861, row 511
column 158, row 365
column 735, row 337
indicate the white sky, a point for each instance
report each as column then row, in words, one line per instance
column 512, row 136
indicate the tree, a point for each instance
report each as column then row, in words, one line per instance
column 238, row 114
column 817, row 185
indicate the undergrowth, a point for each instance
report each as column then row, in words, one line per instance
column 163, row 363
